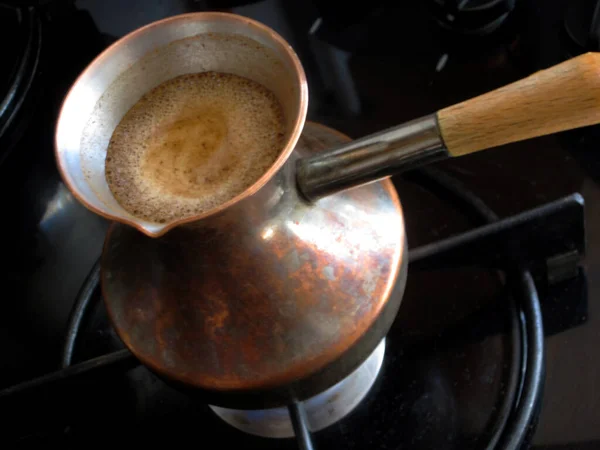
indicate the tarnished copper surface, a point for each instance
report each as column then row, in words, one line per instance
column 269, row 292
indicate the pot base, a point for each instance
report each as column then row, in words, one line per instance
column 322, row 410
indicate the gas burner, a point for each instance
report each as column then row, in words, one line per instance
column 472, row 16
column 322, row 410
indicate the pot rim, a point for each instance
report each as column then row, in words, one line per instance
column 298, row 122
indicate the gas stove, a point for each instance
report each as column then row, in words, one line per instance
column 471, row 374
column 494, row 345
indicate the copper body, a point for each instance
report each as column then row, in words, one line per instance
column 268, row 297
column 272, row 296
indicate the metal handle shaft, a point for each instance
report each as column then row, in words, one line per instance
column 371, row 158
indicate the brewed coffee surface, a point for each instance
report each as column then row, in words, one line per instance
column 193, row 143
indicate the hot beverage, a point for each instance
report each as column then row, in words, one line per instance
column 193, row 143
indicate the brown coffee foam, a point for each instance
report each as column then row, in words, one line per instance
column 193, row 143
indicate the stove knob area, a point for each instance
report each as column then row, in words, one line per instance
column 582, row 25
column 473, row 17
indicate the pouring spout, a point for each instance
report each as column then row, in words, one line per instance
column 371, row 158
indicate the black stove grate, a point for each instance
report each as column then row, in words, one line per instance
column 542, row 244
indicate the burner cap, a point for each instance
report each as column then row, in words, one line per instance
column 274, row 309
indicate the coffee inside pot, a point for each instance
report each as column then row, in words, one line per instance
column 193, row 143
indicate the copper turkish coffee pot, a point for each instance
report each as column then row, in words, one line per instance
column 285, row 289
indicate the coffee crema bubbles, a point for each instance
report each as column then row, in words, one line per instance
column 193, row 143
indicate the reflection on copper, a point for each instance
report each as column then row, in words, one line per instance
column 267, row 233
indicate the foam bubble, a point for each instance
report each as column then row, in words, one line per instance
column 193, row 143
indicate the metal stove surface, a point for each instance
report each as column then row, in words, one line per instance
column 448, row 353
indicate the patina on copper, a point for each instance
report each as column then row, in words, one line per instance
column 272, row 295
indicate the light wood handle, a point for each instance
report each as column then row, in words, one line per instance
column 560, row 98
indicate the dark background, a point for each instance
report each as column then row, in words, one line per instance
column 369, row 67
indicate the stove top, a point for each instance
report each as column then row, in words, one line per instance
column 450, row 377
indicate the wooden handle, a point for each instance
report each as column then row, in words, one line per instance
column 560, row 98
